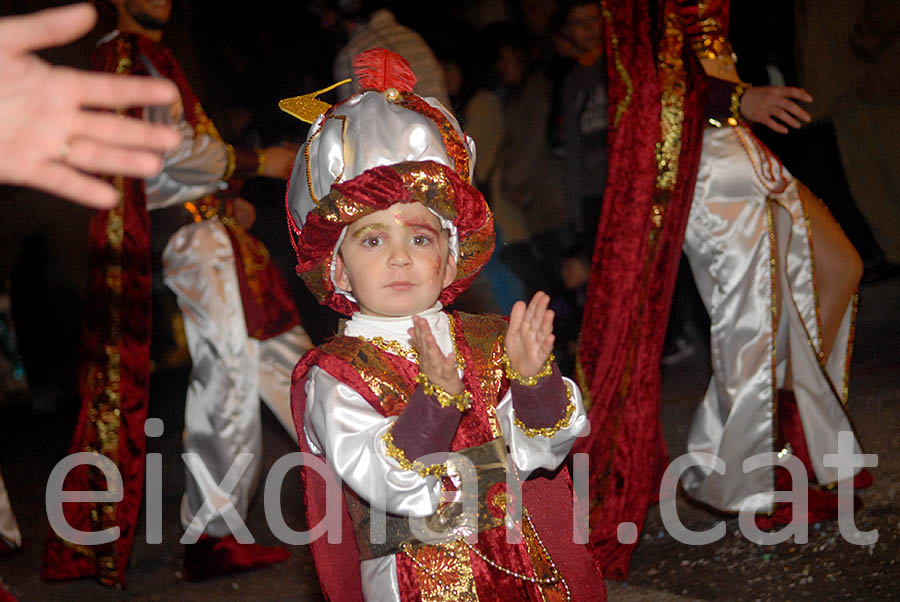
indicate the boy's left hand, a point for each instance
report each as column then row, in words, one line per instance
column 529, row 339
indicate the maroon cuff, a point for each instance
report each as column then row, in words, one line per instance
column 543, row 404
column 424, row 427
column 718, row 99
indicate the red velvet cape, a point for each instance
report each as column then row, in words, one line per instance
column 656, row 98
column 115, row 370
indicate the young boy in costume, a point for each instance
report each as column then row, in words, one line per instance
column 387, row 230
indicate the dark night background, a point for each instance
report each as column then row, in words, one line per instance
column 241, row 59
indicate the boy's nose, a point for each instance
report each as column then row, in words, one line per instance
column 399, row 256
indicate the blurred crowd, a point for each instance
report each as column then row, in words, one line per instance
column 527, row 80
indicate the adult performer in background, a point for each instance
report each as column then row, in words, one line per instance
column 242, row 328
column 685, row 170
column 43, row 109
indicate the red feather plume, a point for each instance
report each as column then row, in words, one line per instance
column 380, row 69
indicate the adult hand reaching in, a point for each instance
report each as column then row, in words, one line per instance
column 52, row 133
column 774, row 106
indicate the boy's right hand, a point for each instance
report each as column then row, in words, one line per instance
column 439, row 368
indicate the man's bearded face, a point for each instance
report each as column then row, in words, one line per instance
column 150, row 14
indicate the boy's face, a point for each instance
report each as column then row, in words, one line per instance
column 395, row 261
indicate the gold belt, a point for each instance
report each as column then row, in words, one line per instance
column 450, row 521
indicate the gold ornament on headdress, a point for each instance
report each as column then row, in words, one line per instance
column 307, row 107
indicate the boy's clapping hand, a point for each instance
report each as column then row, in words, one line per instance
column 439, row 368
column 529, row 339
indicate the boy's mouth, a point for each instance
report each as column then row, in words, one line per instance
column 400, row 285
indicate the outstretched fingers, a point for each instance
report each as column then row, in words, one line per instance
column 109, row 91
column 92, row 156
column 46, row 28
column 69, row 183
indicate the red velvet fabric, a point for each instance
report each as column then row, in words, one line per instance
column 790, row 430
column 424, row 427
column 548, row 498
column 5, row 596
column 633, row 275
column 114, row 390
column 543, row 404
column 115, row 370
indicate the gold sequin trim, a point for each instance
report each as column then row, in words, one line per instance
column 735, row 108
column 548, row 431
column 444, row 572
column 232, row 162
column 435, row 470
column 514, row 375
column 672, row 79
column 845, row 385
column 394, row 347
column 773, row 284
column 462, row 401
column 620, row 68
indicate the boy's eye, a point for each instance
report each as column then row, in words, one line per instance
column 421, row 240
column 372, row 240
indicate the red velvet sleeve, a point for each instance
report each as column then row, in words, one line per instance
column 718, row 99
column 424, row 427
column 543, row 404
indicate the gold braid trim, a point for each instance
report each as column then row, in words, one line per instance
column 394, row 347
column 548, row 431
column 232, row 163
column 462, row 401
column 513, row 374
column 435, row 470
column 736, row 97
column 621, row 70
column 261, row 158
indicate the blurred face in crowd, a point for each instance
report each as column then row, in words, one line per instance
column 575, row 272
column 143, row 15
column 395, row 262
column 511, row 65
column 453, row 76
column 584, row 27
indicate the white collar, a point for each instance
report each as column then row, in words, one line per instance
column 395, row 329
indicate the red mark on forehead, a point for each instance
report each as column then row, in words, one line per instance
column 416, row 223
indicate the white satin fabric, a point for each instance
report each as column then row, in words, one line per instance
column 343, row 427
column 9, row 530
column 231, row 371
column 191, row 170
column 729, row 242
column 365, row 131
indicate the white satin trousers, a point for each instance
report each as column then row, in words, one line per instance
column 230, row 372
column 748, row 227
